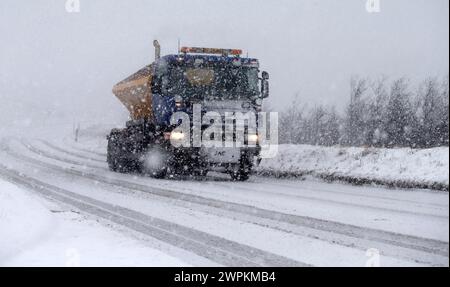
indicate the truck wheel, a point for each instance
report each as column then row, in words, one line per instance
column 112, row 164
column 118, row 166
column 200, row 172
column 240, row 175
column 154, row 162
column 113, row 155
column 158, row 173
column 118, row 158
column 241, row 171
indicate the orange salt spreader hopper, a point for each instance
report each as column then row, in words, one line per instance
column 135, row 94
column 135, row 91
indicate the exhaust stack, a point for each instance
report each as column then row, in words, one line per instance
column 157, row 49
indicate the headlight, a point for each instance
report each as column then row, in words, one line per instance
column 252, row 139
column 176, row 135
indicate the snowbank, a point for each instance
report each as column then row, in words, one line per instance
column 401, row 167
column 23, row 221
column 32, row 235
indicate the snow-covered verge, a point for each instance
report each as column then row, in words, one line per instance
column 399, row 167
column 36, row 232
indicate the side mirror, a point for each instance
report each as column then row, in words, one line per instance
column 265, row 85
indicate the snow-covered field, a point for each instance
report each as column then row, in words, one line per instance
column 69, row 206
column 403, row 167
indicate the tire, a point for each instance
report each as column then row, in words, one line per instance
column 158, row 174
column 243, row 170
column 150, row 167
column 117, row 157
column 112, row 153
column 200, row 172
column 240, row 175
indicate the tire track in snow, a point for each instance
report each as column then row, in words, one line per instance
column 52, row 146
column 332, row 201
column 46, row 154
column 217, row 249
column 99, row 154
column 293, row 187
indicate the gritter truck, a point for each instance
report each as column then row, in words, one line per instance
column 195, row 89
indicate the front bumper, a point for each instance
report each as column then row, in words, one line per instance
column 211, row 158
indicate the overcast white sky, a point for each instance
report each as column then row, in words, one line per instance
column 55, row 63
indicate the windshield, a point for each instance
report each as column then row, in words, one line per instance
column 219, row 81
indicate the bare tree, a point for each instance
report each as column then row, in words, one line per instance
column 399, row 115
column 375, row 116
column 355, row 126
column 428, row 102
column 377, row 104
column 291, row 122
column 332, row 124
column 443, row 114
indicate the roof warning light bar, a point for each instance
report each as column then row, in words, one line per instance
column 197, row 50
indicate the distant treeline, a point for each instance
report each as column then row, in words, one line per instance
column 379, row 114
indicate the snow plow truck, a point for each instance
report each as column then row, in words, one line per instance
column 183, row 111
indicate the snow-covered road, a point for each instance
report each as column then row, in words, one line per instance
column 262, row 222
